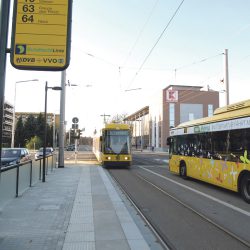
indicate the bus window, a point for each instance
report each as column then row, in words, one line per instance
column 169, row 141
column 239, row 143
column 247, row 141
column 236, row 146
column 220, row 145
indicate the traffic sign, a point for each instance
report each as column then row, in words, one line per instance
column 74, row 126
column 75, row 120
column 41, row 34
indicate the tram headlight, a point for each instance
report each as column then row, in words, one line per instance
column 109, row 158
column 126, row 158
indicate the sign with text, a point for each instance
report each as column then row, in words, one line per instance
column 41, row 34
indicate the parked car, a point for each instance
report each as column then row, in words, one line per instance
column 70, row 147
column 12, row 156
column 39, row 153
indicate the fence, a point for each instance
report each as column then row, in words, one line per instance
column 14, row 180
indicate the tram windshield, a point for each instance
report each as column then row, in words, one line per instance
column 117, row 142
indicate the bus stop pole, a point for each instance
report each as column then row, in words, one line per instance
column 4, row 26
column 62, row 121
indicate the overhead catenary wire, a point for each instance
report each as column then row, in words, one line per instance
column 152, row 69
column 200, row 61
column 196, row 62
column 157, row 41
column 189, row 96
column 140, row 34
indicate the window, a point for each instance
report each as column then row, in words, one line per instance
column 210, row 110
column 191, row 116
column 171, row 115
column 117, row 142
column 220, row 145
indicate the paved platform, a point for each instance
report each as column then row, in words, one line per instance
column 78, row 207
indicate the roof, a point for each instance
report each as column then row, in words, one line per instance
column 184, row 87
column 116, row 126
column 141, row 112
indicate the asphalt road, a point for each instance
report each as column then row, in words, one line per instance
column 188, row 214
column 84, row 153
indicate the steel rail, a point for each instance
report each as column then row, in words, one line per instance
column 234, row 236
column 163, row 242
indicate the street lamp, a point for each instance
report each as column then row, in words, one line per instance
column 45, row 125
column 14, row 112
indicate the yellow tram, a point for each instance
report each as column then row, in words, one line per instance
column 112, row 146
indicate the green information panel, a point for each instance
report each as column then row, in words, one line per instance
column 41, row 34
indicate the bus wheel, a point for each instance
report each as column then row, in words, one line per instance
column 245, row 187
column 183, row 170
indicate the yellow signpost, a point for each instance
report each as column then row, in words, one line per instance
column 41, row 34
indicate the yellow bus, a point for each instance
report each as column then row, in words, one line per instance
column 215, row 149
column 112, row 146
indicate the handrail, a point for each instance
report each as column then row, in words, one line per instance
column 15, row 179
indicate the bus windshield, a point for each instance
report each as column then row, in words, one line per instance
column 117, row 142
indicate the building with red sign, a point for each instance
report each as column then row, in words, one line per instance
column 173, row 105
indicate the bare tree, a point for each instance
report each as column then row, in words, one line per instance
column 119, row 118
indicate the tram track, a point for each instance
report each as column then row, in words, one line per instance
column 161, row 236
column 164, row 243
column 234, row 236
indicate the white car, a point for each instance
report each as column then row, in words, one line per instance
column 39, row 153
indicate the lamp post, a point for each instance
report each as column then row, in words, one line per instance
column 14, row 112
column 45, row 125
column 54, row 130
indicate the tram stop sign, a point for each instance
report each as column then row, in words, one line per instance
column 41, row 34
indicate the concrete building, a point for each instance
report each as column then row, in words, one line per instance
column 170, row 107
column 50, row 117
column 7, row 124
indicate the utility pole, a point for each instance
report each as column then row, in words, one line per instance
column 104, row 118
column 226, row 77
column 62, row 121
column 4, row 27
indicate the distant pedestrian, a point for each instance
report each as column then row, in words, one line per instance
column 153, row 148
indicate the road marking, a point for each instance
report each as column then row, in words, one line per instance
column 161, row 160
column 200, row 193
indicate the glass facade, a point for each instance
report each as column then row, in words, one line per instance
column 171, row 115
column 210, row 110
column 190, row 111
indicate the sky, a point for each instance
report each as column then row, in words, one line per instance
column 120, row 45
